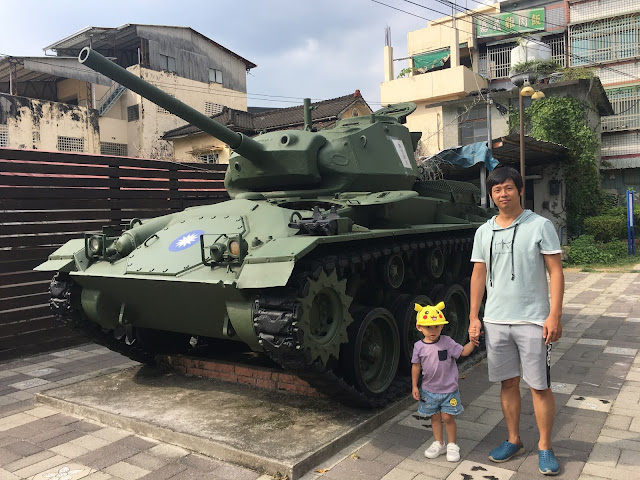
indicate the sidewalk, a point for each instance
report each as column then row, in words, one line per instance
column 595, row 374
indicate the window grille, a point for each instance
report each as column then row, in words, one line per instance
column 162, row 110
column 499, row 60
column 558, row 49
column 215, row 76
column 70, row 144
column 585, row 11
column 626, row 104
column 4, row 136
column 482, row 65
column 623, row 143
column 35, row 138
column 208, row 158
column 605, row 40
column 473, row 126
column 211, row 108
column 113, row 149
column 133, row 113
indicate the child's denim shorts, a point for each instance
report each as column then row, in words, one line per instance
column 432, row 403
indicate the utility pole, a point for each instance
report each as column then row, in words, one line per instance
column 483, row 167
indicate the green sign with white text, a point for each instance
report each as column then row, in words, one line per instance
column 510, row 22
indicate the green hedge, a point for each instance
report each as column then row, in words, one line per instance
column 584, row 250
column 605, row 228
column 610, row 225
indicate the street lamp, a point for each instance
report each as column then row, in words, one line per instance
column 526, row 91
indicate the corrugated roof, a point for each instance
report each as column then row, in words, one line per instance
column 324, row 114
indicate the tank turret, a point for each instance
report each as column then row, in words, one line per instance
column 353, row 156
column 317, row 261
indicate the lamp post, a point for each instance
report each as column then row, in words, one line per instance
column 526, row 91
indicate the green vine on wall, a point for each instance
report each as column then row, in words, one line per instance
column 564, row 121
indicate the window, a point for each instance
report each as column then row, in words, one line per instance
column 167, row 63
column 133, row 113
column 605, row 40
column 473, row 126
column 215, row 76
column 626, row 105
column 70, row 144
column 4, row 136
column 355, row 113
column 208, row 158
column 211, row 109
column 114, row 149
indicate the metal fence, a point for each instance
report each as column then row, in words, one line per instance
column 48, row 198
column 496, row 61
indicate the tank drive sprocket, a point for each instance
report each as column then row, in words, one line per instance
column 324, row 317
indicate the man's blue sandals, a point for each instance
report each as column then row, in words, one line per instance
column 547, row 463
column 505, row 451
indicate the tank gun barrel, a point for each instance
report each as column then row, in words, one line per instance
column 241, row 144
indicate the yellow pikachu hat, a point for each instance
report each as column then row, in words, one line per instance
column 430, row 315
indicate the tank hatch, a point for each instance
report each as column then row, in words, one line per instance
column 179, row 247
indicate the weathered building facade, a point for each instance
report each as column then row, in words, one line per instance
column 192, row 144
column 55, row 103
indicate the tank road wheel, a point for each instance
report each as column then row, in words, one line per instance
column 405, row 315
column 393, row 271
column 325, row 317
column 434, row 261
column 456, row 311
column 370, row 359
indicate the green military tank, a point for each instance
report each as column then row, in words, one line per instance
column 328, row 241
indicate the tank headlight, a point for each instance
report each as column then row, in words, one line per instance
column 234, row 248
column 95, row 244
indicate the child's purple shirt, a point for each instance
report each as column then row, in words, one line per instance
column 438, row 361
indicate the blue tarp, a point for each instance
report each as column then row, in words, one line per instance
column 468, row 155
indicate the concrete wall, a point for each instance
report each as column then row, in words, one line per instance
column 37, row 124
column 438, row 86
column 188, row 148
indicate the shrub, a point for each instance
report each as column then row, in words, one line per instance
column 584, row 251
column 605, row 228
column 617, row 248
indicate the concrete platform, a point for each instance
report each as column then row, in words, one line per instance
column 272, row 432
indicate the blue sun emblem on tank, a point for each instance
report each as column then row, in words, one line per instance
column 186, row 240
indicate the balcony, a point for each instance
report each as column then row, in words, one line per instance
column 432, row 87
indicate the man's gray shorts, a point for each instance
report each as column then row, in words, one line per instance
column 518, row 351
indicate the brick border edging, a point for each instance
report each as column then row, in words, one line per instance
column 261, row 377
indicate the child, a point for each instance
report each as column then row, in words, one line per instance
column 439, row 396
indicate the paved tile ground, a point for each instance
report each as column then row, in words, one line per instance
column 595, row 374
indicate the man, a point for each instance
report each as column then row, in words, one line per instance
column 510, row 253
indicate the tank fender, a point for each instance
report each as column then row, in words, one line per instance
column 69, row 257
column 271, row 265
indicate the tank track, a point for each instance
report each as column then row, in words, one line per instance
column 276, row 312
column 65, row 305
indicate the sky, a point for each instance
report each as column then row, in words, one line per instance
column 319, row 49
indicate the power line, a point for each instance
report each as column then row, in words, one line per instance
column 509, row 31
column 472, row 14
column 197, row 89
column 528, row 37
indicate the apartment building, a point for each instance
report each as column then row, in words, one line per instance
column 605, row 35
column 53, row 102
column 453, row 58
